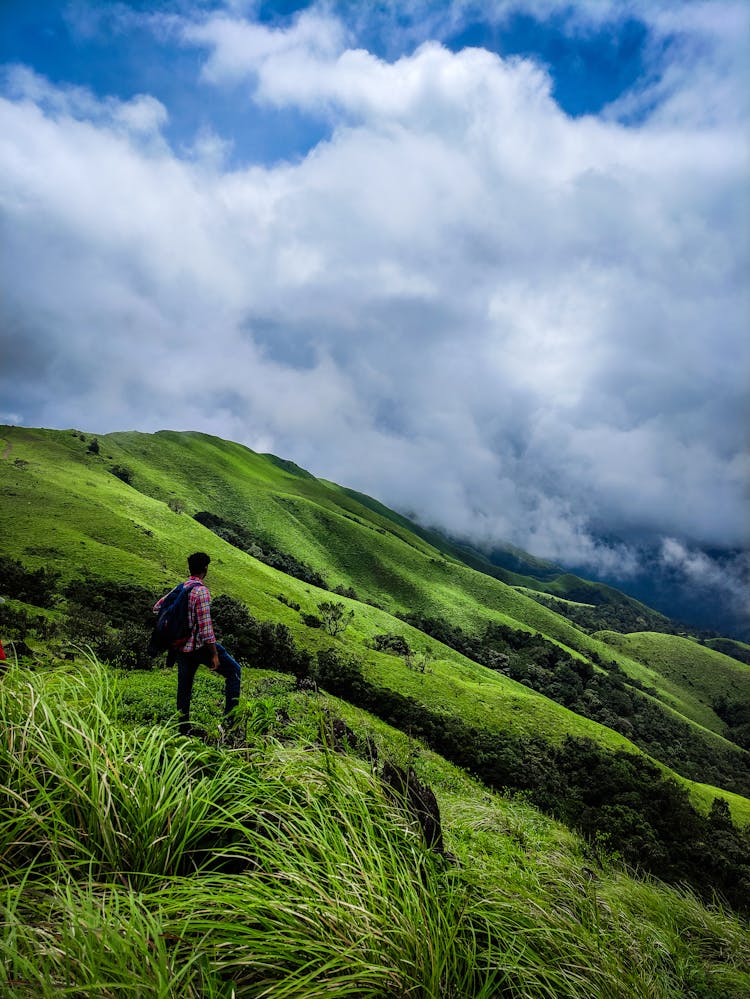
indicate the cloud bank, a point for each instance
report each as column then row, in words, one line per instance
column 515, row 324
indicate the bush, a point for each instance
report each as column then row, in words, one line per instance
column 32, row 586
column 123, row 473
column 287, row 602
column 121, row 603
column 126, row 648
column 340, row 675
column 86, row 626
column 264, row 644
column 17, row 623
column 418, row 661
column 388, row 642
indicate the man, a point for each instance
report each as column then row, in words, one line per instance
column 201, row 646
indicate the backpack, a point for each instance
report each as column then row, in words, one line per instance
column 172, row 625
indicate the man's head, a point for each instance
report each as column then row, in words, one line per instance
column 198, row 563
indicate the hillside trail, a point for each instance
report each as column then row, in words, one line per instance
column 6, row 452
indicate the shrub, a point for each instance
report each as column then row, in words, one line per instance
column 120, row 602
column 32, row 586
column 17, row 623
column 340, row 675
column 265, row 644
column 418, row 661
column 311, row 620
column 388, row 642
column 123, row 473
column 336, row 618
column 287, row 602
column 126, row 648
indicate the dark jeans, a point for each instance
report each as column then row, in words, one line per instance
column 187, row 665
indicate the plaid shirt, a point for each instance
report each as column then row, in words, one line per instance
column 199, row 615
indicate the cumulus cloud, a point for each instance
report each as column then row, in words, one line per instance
column 141, row 115
column 238, row 47
column 517, row 325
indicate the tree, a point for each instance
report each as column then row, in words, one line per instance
column 418, row 661
column 336, row 618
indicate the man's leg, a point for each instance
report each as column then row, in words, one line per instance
column 187, row 664
column 231, row 671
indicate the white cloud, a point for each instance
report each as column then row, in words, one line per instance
column 239, row 47
column 521, row 326
column 723, row 581
column 142, row 115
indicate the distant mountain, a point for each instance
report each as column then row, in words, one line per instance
column 702, row 607
column 680, row 604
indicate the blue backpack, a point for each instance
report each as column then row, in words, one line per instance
column 172, row 625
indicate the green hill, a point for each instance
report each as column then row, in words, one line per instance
column 502, row 676
column 699, row 680
column 148, row 864
column 502, row 704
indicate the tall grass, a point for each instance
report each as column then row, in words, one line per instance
column 299, row 880
column 139, row 863
column 78, row 791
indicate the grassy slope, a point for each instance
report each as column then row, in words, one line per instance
column 65, row 508
column 343, row 899
column 689, row 674
column 731, row 647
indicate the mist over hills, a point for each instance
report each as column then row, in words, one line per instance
column 706, row 590
column 712, row 595
column 698, row 590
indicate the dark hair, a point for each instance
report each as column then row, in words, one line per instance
column 198, row 563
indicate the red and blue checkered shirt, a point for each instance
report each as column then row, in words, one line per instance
column 199, row 615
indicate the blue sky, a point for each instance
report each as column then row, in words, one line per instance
column 114, row 49
column 501, row 248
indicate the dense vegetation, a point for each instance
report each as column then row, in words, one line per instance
column 618, row 799
column 603, row 695
column 624, row 615
column 737, row 650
